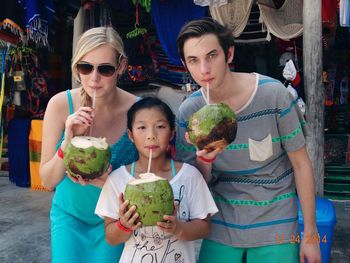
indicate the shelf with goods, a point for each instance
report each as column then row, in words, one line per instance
column 336, row 76
column 337, row 152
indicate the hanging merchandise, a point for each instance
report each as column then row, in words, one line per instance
column 329, row 11
column 234, row 14
column 290, row 74
column 344, row 90
column 144, row 3
column 169, row 16
column 18, row 66
column 39, row 15
column 105, row 15
column 38, row 92
column 26, row 81
column 285, row 22
column 344, row 13
column 137, row 30
column 11, row 18
column 2, row 92
column 142, row 64
column 213, row 3
column 18, row 74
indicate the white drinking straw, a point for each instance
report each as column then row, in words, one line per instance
column 94, row 100
column 208, row 98
column 149, row 161
column 93, row 106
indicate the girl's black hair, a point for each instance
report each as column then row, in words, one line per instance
column 149, row 103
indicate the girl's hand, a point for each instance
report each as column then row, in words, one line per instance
column 128, row 217
column 98, row 182
column 78, row 122
column 171, row 224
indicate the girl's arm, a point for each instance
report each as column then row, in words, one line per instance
column 114, row 234
column 119, row 231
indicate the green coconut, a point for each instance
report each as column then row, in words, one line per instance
column 152, row 196
column 87, row 156
column 213, row 126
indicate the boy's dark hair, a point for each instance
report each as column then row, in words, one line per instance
column 149, row 103
column 200, row 27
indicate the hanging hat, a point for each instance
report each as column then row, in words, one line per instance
column 210, row 2
column 285, row 22
column 234, row 14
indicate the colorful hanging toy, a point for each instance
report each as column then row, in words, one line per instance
column 137, row 30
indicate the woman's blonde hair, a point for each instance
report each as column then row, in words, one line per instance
column 90, row 40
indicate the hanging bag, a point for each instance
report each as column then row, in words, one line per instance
column 37, row 92
column 18, row 76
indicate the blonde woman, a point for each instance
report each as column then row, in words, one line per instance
column 77, row 234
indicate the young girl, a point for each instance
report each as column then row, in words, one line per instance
column 151, row 125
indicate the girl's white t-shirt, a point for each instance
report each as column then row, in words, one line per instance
column 150, row 244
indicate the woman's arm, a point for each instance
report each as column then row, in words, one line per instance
column 57, row 120
column 51, row 165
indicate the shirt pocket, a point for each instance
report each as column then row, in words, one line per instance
column 260, row 150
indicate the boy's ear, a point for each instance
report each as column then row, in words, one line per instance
column 131, row 137
column 230, row 54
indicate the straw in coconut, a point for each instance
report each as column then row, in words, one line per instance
column 93, row 106
column 149, row 161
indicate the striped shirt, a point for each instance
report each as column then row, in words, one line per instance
column 253, row 183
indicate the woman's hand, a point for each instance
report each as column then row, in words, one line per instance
column 78, row 123
column 128, row 217
column 98, row 182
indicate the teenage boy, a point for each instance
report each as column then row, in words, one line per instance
column 253, row 179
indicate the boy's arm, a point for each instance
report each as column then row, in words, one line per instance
column 305, row 185
column 186, row 231
column 194, row 229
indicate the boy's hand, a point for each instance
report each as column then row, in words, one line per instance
column 310, row 250
column 128, row 217
column 204, row 153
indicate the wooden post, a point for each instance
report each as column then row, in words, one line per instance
column 314, row 90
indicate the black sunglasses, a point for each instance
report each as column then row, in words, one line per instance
column 105, row 70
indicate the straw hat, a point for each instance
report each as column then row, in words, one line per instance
column 285, row 22
column 234, row 14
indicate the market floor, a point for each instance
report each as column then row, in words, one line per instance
column 25, row 226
